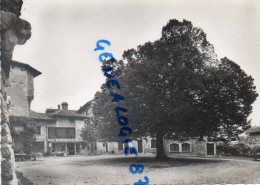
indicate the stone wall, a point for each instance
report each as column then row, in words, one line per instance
column 18, row 92
column 13, row 31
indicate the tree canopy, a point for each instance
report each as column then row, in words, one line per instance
column 176, row 87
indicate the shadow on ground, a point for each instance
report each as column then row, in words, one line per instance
column 146, row 161
column 22, row 180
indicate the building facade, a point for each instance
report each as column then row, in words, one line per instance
column 21, row 88
column 63, row 135
column 21, row 94
column 254, row 133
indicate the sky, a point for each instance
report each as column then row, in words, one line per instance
column 64, row 34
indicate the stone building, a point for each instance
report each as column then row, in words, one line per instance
column 21, row 89
column 64, row 133
column 21, row 94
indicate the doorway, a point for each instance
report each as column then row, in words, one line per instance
column 71, row 148
column 210, row 149
column 140, row 146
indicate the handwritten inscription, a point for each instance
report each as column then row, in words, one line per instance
column 124, row 131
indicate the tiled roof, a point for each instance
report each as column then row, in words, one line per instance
column 33, row 71
column 253, row 130
column 66, row 113
column 40, row 116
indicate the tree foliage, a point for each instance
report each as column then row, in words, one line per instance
column 26, row 136
column 175, row 87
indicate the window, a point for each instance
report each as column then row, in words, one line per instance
column 153, row 143
column 51, row 132
column 38, row 130
column 59, row 132
column 174, row 147
column 186, row 147
column 71, row 132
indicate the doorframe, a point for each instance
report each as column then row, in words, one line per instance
column 214, row 148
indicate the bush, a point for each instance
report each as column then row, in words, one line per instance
column 239, row 149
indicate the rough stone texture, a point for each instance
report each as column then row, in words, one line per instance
column 6, row 151
column 5, row 134
column 13, row 6
column 13, row 31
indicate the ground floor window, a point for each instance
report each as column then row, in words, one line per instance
column 153, row 143
column 186, row 147
column 174, row 147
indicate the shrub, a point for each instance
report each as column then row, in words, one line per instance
column 239, row 149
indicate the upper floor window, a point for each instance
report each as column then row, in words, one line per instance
column 174, row 147
column 38, row 130
column 186, row 147
column 61, row 132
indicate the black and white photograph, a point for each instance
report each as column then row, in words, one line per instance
column 130, row 92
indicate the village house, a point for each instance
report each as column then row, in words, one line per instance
column 57, row 130
column 254, row 133
column 148, row 144
column 64, row 134
column 21, row 88
column 21, row 94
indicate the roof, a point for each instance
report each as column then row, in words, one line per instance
column 66, row 113
column 253, row 130
column 33, row 71
column 85, row 106
column 40, row 116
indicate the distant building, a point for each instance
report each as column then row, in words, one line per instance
column 255, row 134
column 148, row 144
column 63, row 134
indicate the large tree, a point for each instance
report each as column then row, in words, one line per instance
column 175, row 87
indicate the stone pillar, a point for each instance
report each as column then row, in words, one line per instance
column 13, row 31
column 66, row 147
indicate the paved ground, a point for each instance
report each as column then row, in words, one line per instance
column 108, row 170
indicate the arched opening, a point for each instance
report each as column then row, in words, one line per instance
column 186, row 147
column 174, row 147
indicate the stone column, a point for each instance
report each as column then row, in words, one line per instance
column 13, row 31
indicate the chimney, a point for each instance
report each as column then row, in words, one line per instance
column 64, row 106
column 58, row 107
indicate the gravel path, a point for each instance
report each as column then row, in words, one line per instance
column 113, row 170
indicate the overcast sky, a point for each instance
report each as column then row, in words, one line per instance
column 64, row 33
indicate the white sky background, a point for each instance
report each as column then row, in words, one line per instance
column 64, row 33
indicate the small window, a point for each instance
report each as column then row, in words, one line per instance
column 186, row 147
column 174, row 147
column 38, row 130
column 153, row 143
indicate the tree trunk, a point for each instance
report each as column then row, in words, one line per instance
column 160, row 155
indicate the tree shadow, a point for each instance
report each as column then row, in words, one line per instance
column 150, row 162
